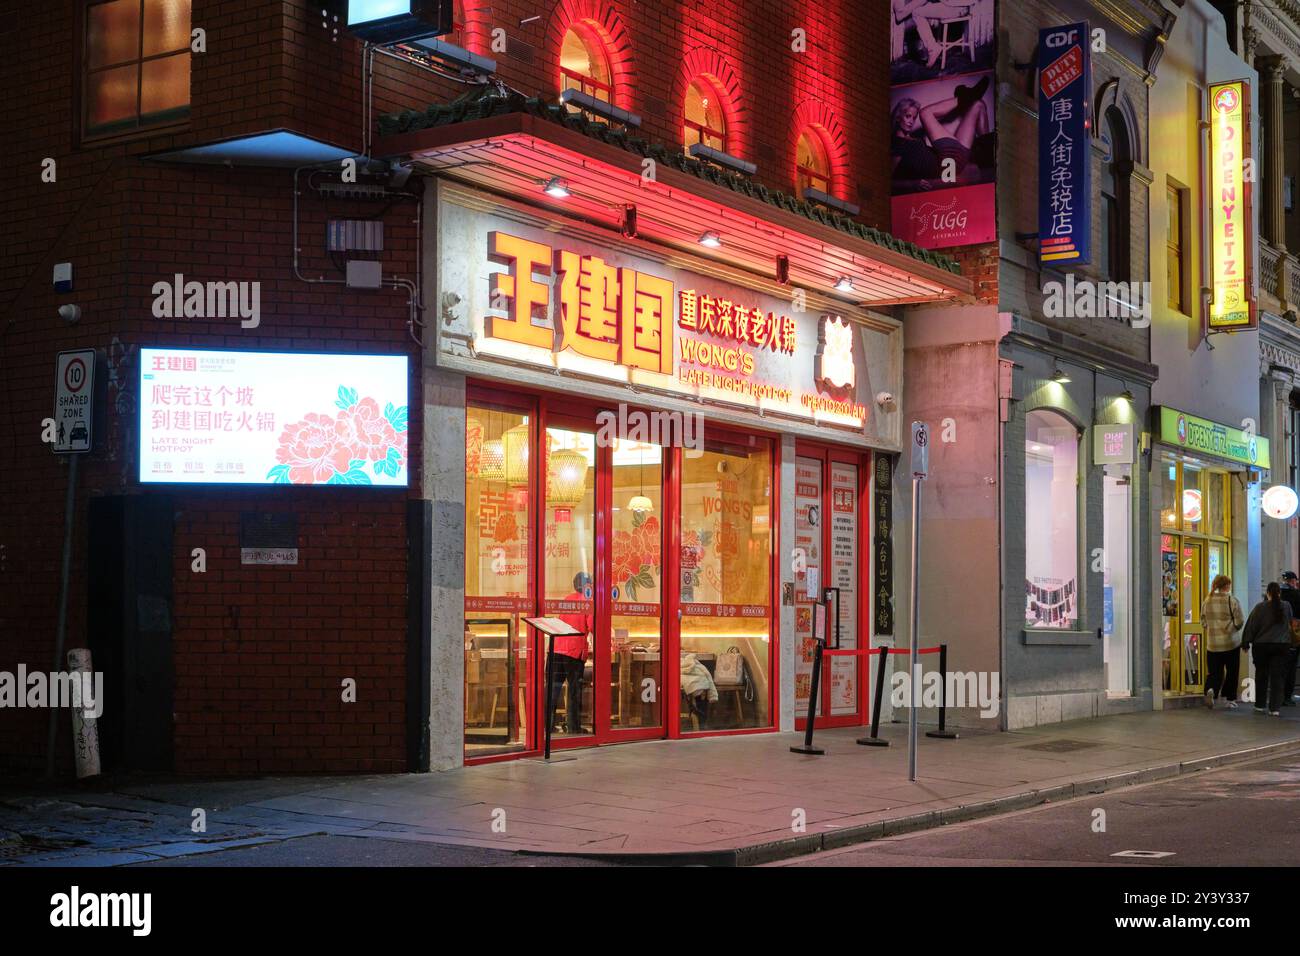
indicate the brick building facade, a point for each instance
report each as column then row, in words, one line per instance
column 237, row 669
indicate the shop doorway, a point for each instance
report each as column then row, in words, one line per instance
column 830, row 524
column 657, row 553
column 1195, row 500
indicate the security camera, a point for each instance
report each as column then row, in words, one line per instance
column 70, row 313
column 886, row 401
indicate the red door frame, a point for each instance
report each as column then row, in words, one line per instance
column 736, row 436
column 581, row 414
column 828, row 455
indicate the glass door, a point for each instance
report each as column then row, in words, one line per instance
column 570, row 580
column 1192, row 645
column 634, row 638
column 828, row 540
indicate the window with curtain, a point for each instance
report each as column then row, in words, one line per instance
column 584, row 66
column 137, row 64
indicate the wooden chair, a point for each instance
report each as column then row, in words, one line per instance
column 963, row 39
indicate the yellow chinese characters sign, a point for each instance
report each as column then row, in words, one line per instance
column 603, row 312
column 1231, row 221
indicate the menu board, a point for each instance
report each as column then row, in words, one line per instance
column 844, row 575
column 807, row 577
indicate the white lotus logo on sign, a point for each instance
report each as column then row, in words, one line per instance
column 835, row 367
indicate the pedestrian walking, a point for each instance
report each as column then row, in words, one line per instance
column 1268, row 634
column 1223, row 619
column 1291, row 594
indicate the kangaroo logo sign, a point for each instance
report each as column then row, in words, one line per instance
column 1231, row 223
column 74, row 385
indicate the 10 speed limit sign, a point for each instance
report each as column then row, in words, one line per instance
column 74, row 389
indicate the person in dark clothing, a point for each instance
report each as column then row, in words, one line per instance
column 1291, row 594
column 1268, row 634
column 569, row 660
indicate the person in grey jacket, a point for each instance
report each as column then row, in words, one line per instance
column 1268, row 634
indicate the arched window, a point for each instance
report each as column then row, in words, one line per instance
column 1051, row 521
column 1112, row 256
column 584, row 65
column 814, row 165
column 705, row 122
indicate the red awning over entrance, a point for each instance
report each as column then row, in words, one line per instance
column 515, row 154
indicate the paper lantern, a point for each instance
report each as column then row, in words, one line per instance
column 492, row 461
column 566, row 477
column 515, row 443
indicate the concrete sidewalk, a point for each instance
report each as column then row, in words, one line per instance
column 727, row 801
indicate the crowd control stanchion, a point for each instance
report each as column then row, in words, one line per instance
column 943, row 697
column 819, row 616
column 874, row 740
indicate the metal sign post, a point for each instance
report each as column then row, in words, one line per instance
column 920, row 470
column 74, row 403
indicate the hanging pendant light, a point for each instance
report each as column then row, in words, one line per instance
column 566, row 477
column 640, row 504
column 515, row 447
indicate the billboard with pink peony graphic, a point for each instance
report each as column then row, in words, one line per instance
column 260, row 418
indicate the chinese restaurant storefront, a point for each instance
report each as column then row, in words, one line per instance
column 667, row 446
column 1202, row 470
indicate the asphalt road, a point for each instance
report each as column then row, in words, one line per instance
column 1245, row 815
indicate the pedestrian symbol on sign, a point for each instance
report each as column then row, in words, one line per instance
column 74, row 386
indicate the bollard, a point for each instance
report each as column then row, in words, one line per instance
column 942, row 733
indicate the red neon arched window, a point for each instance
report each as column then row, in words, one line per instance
column 584, row 66
column 813, row 163
column 704, row 120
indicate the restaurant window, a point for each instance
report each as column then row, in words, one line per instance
column 498, row 579
column 1051, row 521
column 137, row 56
column 636, row 562
column 726, row 564
column 1293, row 423
column 584, row 65
column 814, row 165
column 705, row 122
column 1113, row 258
column 1174, row 245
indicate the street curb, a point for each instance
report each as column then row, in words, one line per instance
column 808, row 844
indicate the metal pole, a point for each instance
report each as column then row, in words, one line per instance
column 813, row 694
column 65, row 577
column 914, row 657
column 550, row 684
column 943, row 733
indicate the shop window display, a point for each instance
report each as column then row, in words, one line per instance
column 1051, row 521
column 726, row 554
column 498, row 580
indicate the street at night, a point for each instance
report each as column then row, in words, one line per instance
column 475, row 437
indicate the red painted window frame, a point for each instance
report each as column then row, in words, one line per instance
column 536, row 404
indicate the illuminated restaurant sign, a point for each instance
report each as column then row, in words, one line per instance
column 1231, row 223
column 272, row 418
column 534, row 299
column 1201, row 434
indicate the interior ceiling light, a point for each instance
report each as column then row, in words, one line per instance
column 845, row 284
column 711, row 239
column 557, row 188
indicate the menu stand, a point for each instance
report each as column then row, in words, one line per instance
column 552, row 627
